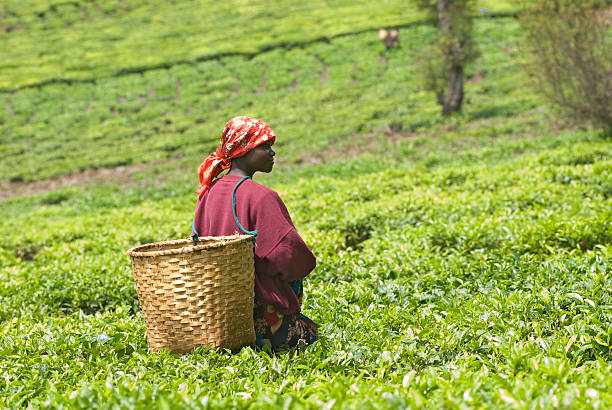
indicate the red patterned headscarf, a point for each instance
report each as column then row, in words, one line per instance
column 241, row 134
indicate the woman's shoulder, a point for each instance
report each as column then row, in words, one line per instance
column 262, row 192
column 250, row 187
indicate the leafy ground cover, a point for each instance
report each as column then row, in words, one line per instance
column 340, row 87
column 484, row 281
column 462, row 262
column 57, row 41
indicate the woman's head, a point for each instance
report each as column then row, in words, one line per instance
column 240, row 135
column 260, row 158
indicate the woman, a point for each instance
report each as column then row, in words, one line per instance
column 282, row 259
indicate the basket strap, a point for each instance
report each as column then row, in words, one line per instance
column 254, row 233
column 195, row 236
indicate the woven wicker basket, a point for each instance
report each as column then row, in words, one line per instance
column 196, row 295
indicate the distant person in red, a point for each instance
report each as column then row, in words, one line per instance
column 282, row 259
column 389, row 38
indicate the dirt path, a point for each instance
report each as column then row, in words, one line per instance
column 122, row 176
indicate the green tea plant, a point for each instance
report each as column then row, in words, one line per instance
column 462, row 262
column 168, row 113
column 482, row 280
column 59, row 42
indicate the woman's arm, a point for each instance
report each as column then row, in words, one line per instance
column 290, row 258
column 280, row 250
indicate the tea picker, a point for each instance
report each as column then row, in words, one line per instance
column 235, row 202
column 257, row 293
column 389, row 38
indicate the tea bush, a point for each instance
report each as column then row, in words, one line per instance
column 476, row 289
column 462, row 262
column 167, row 113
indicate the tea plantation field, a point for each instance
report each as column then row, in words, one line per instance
column 462, row 262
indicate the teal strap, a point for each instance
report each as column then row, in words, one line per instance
column 195, row 236
column 194, row 233
column 254, row 233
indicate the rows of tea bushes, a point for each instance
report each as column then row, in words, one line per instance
column 85, row 40
column 314, row 97
column 480, row 279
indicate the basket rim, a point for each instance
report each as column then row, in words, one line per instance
column 216, row 242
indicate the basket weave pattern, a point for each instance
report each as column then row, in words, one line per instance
column 196, row 295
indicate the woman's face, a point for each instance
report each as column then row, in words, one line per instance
column 261, row 158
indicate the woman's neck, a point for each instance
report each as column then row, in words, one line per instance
column 239, row 171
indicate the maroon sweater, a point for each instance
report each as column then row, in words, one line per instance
column 281, row 255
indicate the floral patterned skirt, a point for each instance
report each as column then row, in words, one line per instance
column 280, row 332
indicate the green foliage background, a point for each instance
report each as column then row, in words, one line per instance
column 462, row 261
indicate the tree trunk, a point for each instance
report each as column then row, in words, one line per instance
column 451, row 102
column 454, row 93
